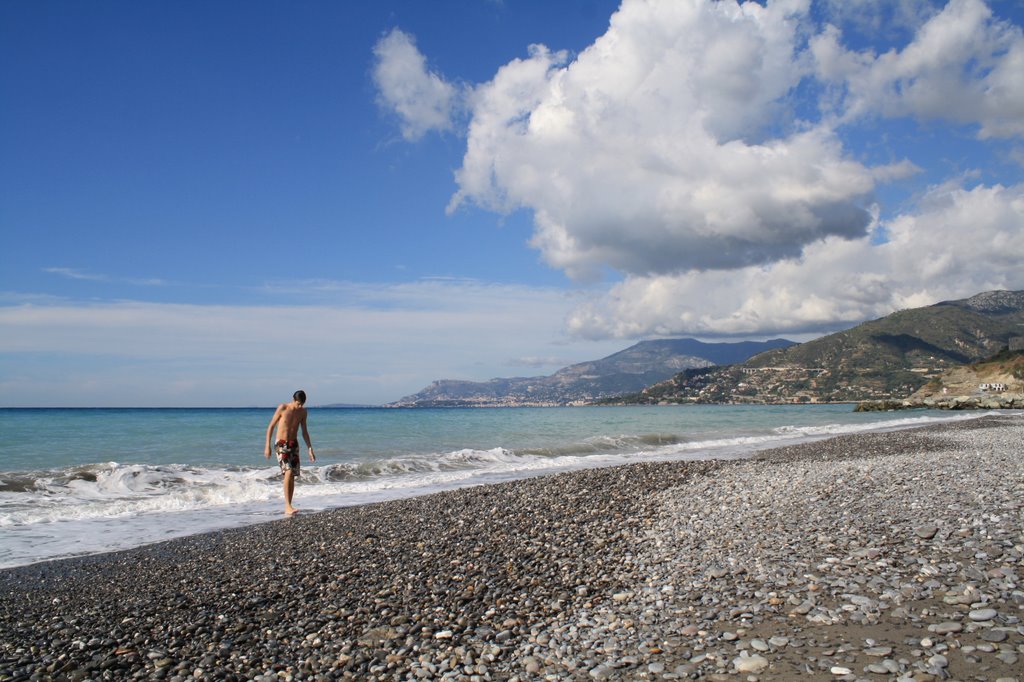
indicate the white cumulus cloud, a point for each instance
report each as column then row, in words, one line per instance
column 712, row 154
column 955, row 240
column 963, row 65
column 659, row 150
column 422, row 99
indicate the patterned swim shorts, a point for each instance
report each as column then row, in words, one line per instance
column 288, row 455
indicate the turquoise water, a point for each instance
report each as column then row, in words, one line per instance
column 76, row 481
column 54, row 438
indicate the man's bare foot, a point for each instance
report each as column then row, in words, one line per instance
column 291, row 510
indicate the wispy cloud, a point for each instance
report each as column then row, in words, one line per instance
column 540, row 362
column 74, row 273
column 363, row 344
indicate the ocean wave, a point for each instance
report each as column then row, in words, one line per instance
column 603, row 445
column 415, row 464
column 113, row 489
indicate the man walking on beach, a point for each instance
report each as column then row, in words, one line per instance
column 288, row 418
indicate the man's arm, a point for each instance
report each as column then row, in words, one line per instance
column 270, row 429
column 305, row 437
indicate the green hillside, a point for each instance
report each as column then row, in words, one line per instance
column 886, row 358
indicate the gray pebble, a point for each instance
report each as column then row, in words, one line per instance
column 926, row 532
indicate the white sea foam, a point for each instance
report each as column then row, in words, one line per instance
column 828, row 430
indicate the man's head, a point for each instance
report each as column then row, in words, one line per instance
column 299, row 397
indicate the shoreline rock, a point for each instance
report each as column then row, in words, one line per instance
column 1008, row 401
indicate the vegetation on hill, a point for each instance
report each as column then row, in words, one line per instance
column 891, row 357
column 1005, row 370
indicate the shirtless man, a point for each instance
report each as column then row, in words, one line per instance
column 288, row 418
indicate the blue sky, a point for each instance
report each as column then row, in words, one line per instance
column 217, row 203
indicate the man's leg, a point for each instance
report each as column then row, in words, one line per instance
column 289, row 489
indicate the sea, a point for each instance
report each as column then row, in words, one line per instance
column 86, row 481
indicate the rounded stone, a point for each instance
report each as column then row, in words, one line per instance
column 994, row 636
column 946, row 628
column 927, row 532
column 750, row 664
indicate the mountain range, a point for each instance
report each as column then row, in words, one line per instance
column 627, row 371
column 887, row 358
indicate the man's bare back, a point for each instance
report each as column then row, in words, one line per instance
column 290, row 417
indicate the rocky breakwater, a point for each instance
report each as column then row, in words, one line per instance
column 882, row 556
column 995, row 401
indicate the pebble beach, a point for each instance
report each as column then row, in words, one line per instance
column 880, row 556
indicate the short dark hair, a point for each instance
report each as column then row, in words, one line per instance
column 300, row 396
